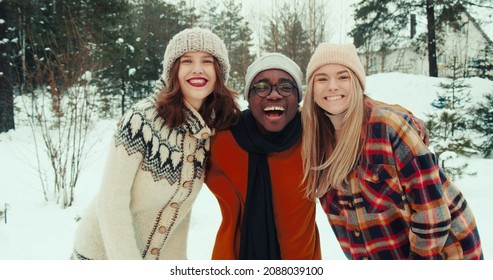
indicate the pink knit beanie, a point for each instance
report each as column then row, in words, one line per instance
column 195, row 40
column 343, row 54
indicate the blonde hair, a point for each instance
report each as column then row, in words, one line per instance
column 326, row 162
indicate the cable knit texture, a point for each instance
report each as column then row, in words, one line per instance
column 153, row 175
column 195, row 40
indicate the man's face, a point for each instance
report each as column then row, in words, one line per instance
column 274, row 111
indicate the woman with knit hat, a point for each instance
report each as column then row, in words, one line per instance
column 155, row 166
column 381, row 187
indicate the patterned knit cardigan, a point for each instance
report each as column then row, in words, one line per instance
column 153, row 175
column 401, row 204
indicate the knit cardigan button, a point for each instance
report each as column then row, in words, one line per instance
column 162, row 229
column 155, row 251
column 204, row 135
column 174, row 205
column 187, row 184
column 190, row 158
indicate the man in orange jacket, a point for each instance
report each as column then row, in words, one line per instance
column 255, row 171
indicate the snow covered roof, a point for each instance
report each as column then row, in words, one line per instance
column 483, row 16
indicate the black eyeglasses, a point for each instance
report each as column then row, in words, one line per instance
column 263, row 89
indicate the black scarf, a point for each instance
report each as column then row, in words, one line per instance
column 258, row 232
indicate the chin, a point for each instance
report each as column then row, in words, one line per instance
column 275, row 128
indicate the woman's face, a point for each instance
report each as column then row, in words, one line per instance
column 332, row 88
column 197, row 77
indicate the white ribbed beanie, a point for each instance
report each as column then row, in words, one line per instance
column 274, row 61
column 195, row 40
column 343, row 54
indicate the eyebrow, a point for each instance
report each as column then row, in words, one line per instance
column 286, row 80
column 338, row 73
column 265, row 80
column 202, row 56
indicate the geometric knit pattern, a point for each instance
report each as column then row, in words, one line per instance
column 153, row 175
column 143, row 131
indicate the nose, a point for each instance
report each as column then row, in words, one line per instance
column 274, row 94
column 333, row 86
column 197, row 68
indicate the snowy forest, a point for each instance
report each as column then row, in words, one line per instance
column 69, row 69
column 67, row 64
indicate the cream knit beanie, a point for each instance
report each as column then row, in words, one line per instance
column 343, row 54
column 274, row 61
column 195, row 40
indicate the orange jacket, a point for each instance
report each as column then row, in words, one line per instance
column 295, row 215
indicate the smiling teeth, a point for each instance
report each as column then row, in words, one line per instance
column 330, row 98
column 274, row 108
column 196, row 81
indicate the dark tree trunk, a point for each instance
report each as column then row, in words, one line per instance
column 432, row 50
column 6, row 89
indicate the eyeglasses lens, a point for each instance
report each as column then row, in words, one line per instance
column 264, row 89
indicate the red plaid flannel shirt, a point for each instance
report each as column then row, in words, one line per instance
column 401, row 204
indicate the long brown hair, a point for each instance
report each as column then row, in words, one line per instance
column 220, row 109
column 326, row 162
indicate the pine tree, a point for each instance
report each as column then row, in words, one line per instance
column 482, row 65
column 211, row 18
column 156, row 22
column 483, row 124
column 286, row 34
column 26, row 24
column 242, row 57
column 118, row 55
column 377, row 28
column 448, row 125
column 135, row 50
column 230, row 26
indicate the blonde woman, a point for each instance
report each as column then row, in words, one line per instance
column 380, row 186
